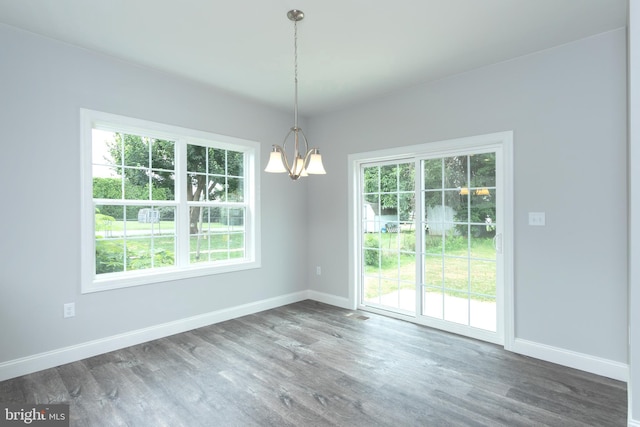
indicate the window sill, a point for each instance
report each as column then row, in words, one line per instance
column 138, row 278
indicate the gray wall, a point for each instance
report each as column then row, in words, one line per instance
column 567, row 108
column 43, row 84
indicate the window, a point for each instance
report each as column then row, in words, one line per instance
column 163, row 203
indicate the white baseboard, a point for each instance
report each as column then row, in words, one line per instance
column 584, row 362
column 26, row 365
column 330, row 299
column 633, row 423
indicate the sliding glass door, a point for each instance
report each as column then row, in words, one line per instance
column 389, row 236
column 458, row 251
column 430, row 229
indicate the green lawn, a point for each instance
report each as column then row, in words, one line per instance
column 144, row 251
column 451, row 266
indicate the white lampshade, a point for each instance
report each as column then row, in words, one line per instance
column 315, row 164
column 275, row 164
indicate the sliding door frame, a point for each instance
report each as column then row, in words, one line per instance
column 502, row 140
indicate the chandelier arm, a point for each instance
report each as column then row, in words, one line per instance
column 283, row 153
column 304, row 138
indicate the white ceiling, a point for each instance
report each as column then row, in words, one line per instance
column 349, row 50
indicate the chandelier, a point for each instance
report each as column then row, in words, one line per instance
column 304, row 162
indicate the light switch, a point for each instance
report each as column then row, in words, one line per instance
column 536, row 218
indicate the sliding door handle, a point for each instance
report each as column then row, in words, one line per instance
column 497, row 242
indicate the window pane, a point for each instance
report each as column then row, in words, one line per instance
column 389, row 179
column 434, row 212
column 139, row 253
column 456, row 307
column 455, row 172
column 167, row 224
column 164, row 251
column 456, row 242
column 390, row 264
column 136, row 150
column 163, row 185
column 433, row 302
column 389, row 290
column 200, row 234
column 236, row 219
column 106, row 187
column 407, row 207
column 217, row 161
column 408, row 268
column 370, row 209
column 483, row 206
column 136, row 185
column 433, row 271
column 109, row 255
column 483, row 314
column 483, row 170
column 235, row 163
column 407, row 296
column 198, row 188
column 219, row 234
column 198, row 218
column 134, row 238
column 455, row 206
column 456, row 274
column 236, row 245
column 235, row 189
column 102, row 144
column 407, row 179
column 483, row 279
column 107, row 181
column 372, row 260
column 163, row 155
column 196, row 158
column 372, row 179
column 482, row 244
column 106, row 220
column 432, row 174
column 199, row 250
column 215, row 188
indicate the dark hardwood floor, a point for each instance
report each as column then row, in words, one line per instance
column 310, row 364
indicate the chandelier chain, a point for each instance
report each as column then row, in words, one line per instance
column 295, row 72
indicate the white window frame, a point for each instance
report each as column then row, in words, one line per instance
column 90, row 282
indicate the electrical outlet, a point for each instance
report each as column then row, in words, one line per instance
column 537, row 218
column 318, row 270
column 70, row 309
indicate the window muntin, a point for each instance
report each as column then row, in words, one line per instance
column 161, row 203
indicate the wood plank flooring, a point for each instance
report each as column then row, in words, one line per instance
column 311, row 364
